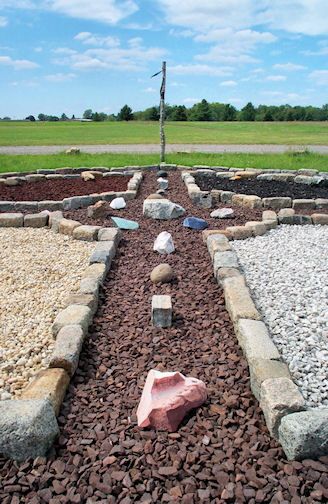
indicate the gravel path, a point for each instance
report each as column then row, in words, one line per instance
column 154, row 148
column 38, row 270
column 287, row 272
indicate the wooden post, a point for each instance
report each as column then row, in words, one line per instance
column 162, row 112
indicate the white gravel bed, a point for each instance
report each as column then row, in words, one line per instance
column 38, row 269
column 287, row 272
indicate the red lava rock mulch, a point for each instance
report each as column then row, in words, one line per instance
column 58, row 189
column 222, row 452
column 262, row 188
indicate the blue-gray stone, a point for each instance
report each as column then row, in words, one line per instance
column 195, row 223
column 124, row 223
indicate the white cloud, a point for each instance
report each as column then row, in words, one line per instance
column 289, row 67
column 105, row 11
column 319, row 77
column 18, row 64
column 133, row 58
column 276, row 78
column 228, row 83
column 60, row 77
column 38, row 49
column 150, row 90
column 3, row 21
column 308, row 17
column 88, row 38
column 198, row 69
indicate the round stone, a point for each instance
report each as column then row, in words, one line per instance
column 162, row 273
column 155, row 196
column 162, row 174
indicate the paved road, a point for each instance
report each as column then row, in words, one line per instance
column 154, row 148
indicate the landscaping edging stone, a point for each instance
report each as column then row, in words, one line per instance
column 205, row 199
column 73, row 202
column 302, row 433
column 28, row 425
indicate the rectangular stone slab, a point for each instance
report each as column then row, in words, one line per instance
column 161, row 311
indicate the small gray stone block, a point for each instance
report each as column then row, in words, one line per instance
column 54, row 220
column 277, row 203
column 303, row 204
column 110, row 234
column 238, row 300
column 36, row 220
column 67, row 349
column 302, row 220
column 73, row 315
column 11, row 220
column 202, row 199
column 26, row 206
column 108, row 196
column 270, row 224
column 279, row 397
column 303, row 179
column 28, row 428
column 85, row 201
column 286, row 216
column 72, row 203
column 269, row 215
column 224, row 260
column 103, row 253
column 50, row 205
column 304, row 435
column 35, row 178
column 321, row 203
column 263, row 369
column 255, row 341
column 226, row 196
column 89, row 300
column 86, row 233
column 89, row 285
column 7, row 206
column 161, row 311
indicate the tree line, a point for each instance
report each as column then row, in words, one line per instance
column 202, row 111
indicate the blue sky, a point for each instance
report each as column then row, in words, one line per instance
column 68, row 55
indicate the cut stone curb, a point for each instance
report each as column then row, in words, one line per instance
column 304, row 435
column 279, row 397
column 48, row 384
column 238, row 300
column 226, row 259
column 67, row 349
column 67, row 226
column 28, row 428
column 86, row 232
column 73, row 315
column 11, row 220
column 110, row 234
column 262, row 369
column 36, row 220
column 255, row 341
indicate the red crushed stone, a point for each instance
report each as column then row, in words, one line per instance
column 222, row 452
column 58, row 189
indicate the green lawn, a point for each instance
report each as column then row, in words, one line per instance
column 290, row 161
column 71, row 133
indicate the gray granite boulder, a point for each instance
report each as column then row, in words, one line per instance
column 27, row 428
column 162, row 209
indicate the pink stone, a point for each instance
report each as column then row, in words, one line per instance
column 167, row 397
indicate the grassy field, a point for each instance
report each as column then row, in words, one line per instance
column 72, row 133
column 290, row 161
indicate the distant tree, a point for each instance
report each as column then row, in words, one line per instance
column 200, row 112
column 102, row 116
column 87, row 114
column 179, row 113
column 42, row 117
column 125, row 114
column 248, row 113
column 63, row 117
column 95, row 117
column 73, row 117
column 6, row 118
column 52, row 118
column 151, row 114
column 30, row 118
column 268, row 116
column 229, row 113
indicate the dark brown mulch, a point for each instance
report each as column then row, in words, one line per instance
column 59, row 189
column 221, row 453
column 262, row 188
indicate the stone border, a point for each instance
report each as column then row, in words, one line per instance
column 73, row 202
column 205, row 199
column 28, row 425
column 302, row 433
